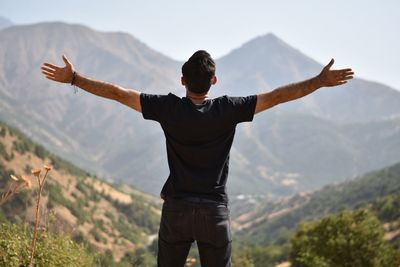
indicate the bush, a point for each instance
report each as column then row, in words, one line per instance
column 51, row 249
column 3, row 132
column 20, row 146
column 4, row 153
column 353, row 239
column 96, row 235
column 139, row 213
column 76, row 208
column 140, row 257
column 40, row 152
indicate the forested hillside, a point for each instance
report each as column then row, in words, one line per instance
column 267, row 234
column 114, row 220
column 378, row 191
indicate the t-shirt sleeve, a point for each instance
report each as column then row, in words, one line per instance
column 153, row 106
column 244, row 107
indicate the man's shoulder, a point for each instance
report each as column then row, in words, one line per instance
column 233, row 100
column 159, row 97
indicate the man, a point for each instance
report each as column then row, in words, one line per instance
column 199, row 133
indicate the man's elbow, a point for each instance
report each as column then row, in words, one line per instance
column 130, row 98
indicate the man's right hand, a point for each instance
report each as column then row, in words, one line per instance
column 128, row 97
column 59, row 74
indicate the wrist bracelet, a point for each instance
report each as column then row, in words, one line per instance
column 73, row 78
column 72, row 82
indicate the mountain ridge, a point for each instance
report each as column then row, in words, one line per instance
column 113, row 141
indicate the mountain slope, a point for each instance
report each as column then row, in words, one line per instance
column 297, row 146
column 300, row 152
column 378, row 191
column 81, row 127
column 74, row 202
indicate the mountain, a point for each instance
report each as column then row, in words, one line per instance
column 378, row 191
column 326, row 137
column 262, row 64
column 4, row 23
column 119, row 219
column 88, row 131
column 267, row 62
column 299, row 152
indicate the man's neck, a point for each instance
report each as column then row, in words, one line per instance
column 196, row 98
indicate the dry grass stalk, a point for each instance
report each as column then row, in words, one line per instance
column 14, row 187
column 41, row 182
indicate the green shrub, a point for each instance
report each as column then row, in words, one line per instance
column 388, row 207
column 128, row 231
column 139, row 213
column 348, row 239
column 27, row 170
column 51, row 249
column 20, row 146
column 40, row 152
column 4, row 153
column 96, row 235
column 140, row 257
column 3, row 132
column 76, row 208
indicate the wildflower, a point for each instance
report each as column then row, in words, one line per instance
column 47, row 168
column 15, row 178
column 36, row 172
column 26, row 181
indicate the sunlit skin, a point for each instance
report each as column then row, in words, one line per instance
column 130, row 97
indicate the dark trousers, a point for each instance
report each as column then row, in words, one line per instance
column 183, row 222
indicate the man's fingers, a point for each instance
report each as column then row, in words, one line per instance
column 347, row 70
column 51, row 66
column 344, row 72
column 48, row 73
column 348, row 77
column 51, row 78
column 48, row 69
column 66, row 61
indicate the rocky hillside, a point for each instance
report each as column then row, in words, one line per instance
column 108, row 217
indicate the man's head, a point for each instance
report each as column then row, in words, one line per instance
column 198, row 73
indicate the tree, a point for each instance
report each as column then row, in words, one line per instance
column 347, row 239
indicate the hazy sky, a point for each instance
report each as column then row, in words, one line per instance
column 362, row 34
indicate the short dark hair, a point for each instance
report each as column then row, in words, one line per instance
column 198, row 72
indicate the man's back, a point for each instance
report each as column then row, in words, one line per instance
column 199, row 138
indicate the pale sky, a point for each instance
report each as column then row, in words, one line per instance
column 362, row 34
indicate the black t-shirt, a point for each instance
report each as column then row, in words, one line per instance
column 198, row 138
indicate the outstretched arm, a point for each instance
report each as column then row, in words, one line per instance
column 326, row 78
column 67, row 74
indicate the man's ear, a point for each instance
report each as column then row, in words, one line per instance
column 214, row 80
column 183, row 81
